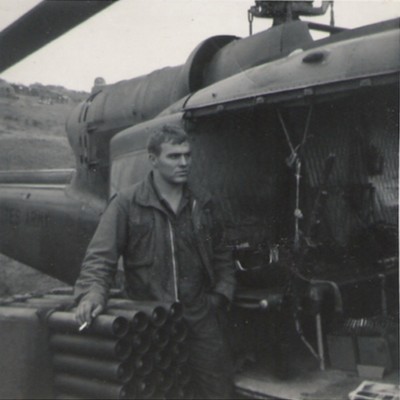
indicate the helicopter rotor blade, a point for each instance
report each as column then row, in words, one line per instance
column 42, row 24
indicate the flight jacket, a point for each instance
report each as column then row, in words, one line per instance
column 136, row 226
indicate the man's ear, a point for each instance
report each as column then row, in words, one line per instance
column 153, row 159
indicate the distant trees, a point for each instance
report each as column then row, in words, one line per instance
column 6, row 90
column 48, row 94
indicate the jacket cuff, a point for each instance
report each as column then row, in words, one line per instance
column 94, row 296
column 226, row 290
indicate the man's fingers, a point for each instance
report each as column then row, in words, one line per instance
column 86, row 311
column 83, row 313
column 98, row 309
column 80, row 318
column 78, row 314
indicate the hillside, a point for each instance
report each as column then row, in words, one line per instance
column 32, row 136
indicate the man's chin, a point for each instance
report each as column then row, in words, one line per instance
column 179, row 180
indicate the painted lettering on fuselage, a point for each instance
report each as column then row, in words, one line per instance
column 37, row 218
column 15, row 217
column 10, row 216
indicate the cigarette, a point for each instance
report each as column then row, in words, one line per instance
column 83, row 326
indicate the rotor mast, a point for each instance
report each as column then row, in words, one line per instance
column 287, row 11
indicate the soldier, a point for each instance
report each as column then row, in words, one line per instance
column 173, row 250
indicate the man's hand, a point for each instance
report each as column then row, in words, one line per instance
column 87, row 310
column 219, row 300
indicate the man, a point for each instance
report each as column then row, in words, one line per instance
column 173, row 250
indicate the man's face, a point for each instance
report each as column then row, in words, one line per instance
column 173, row 162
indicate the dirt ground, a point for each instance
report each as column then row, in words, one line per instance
column 16, row 278
column 32, row 136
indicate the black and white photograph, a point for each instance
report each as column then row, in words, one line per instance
column 199, row 199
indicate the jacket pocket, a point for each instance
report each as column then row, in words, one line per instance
column 144, row 262
column 140, row 249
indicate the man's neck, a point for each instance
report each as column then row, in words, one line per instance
column 172, row 193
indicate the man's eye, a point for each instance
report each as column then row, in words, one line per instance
column 178, row 156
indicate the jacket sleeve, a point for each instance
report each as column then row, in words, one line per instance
column 100, row 263
column 225, row 280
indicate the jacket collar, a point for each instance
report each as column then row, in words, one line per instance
column 147, row 196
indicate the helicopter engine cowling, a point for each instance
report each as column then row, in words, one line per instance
column 113, row 108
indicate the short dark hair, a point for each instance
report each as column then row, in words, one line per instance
column 167, row 134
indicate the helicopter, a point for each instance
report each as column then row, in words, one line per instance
column 295, row 138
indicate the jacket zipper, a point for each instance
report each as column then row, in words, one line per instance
column 174, row 266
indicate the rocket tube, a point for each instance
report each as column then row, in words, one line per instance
column 141, row 388
column 118, row 349
column 182, row 375
column 159, row 336
column 140, row 342
column 107, row 325
column 179, row 353
column 157, row 313
column 178, row 331
column 163, row 380
column 138, row 319
column 86, row 387
column 142, row 364
column 174, row 309
column 49, row 302
column 115, row 371
column 162, row 359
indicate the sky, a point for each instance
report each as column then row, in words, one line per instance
column 134, row 37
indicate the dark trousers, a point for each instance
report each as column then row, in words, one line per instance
column 210, row 356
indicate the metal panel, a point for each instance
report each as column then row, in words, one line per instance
column 25, row 361
column 341, row 62
column 36, row 222
column 42, row 176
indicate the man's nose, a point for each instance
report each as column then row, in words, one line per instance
column 183, row 160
